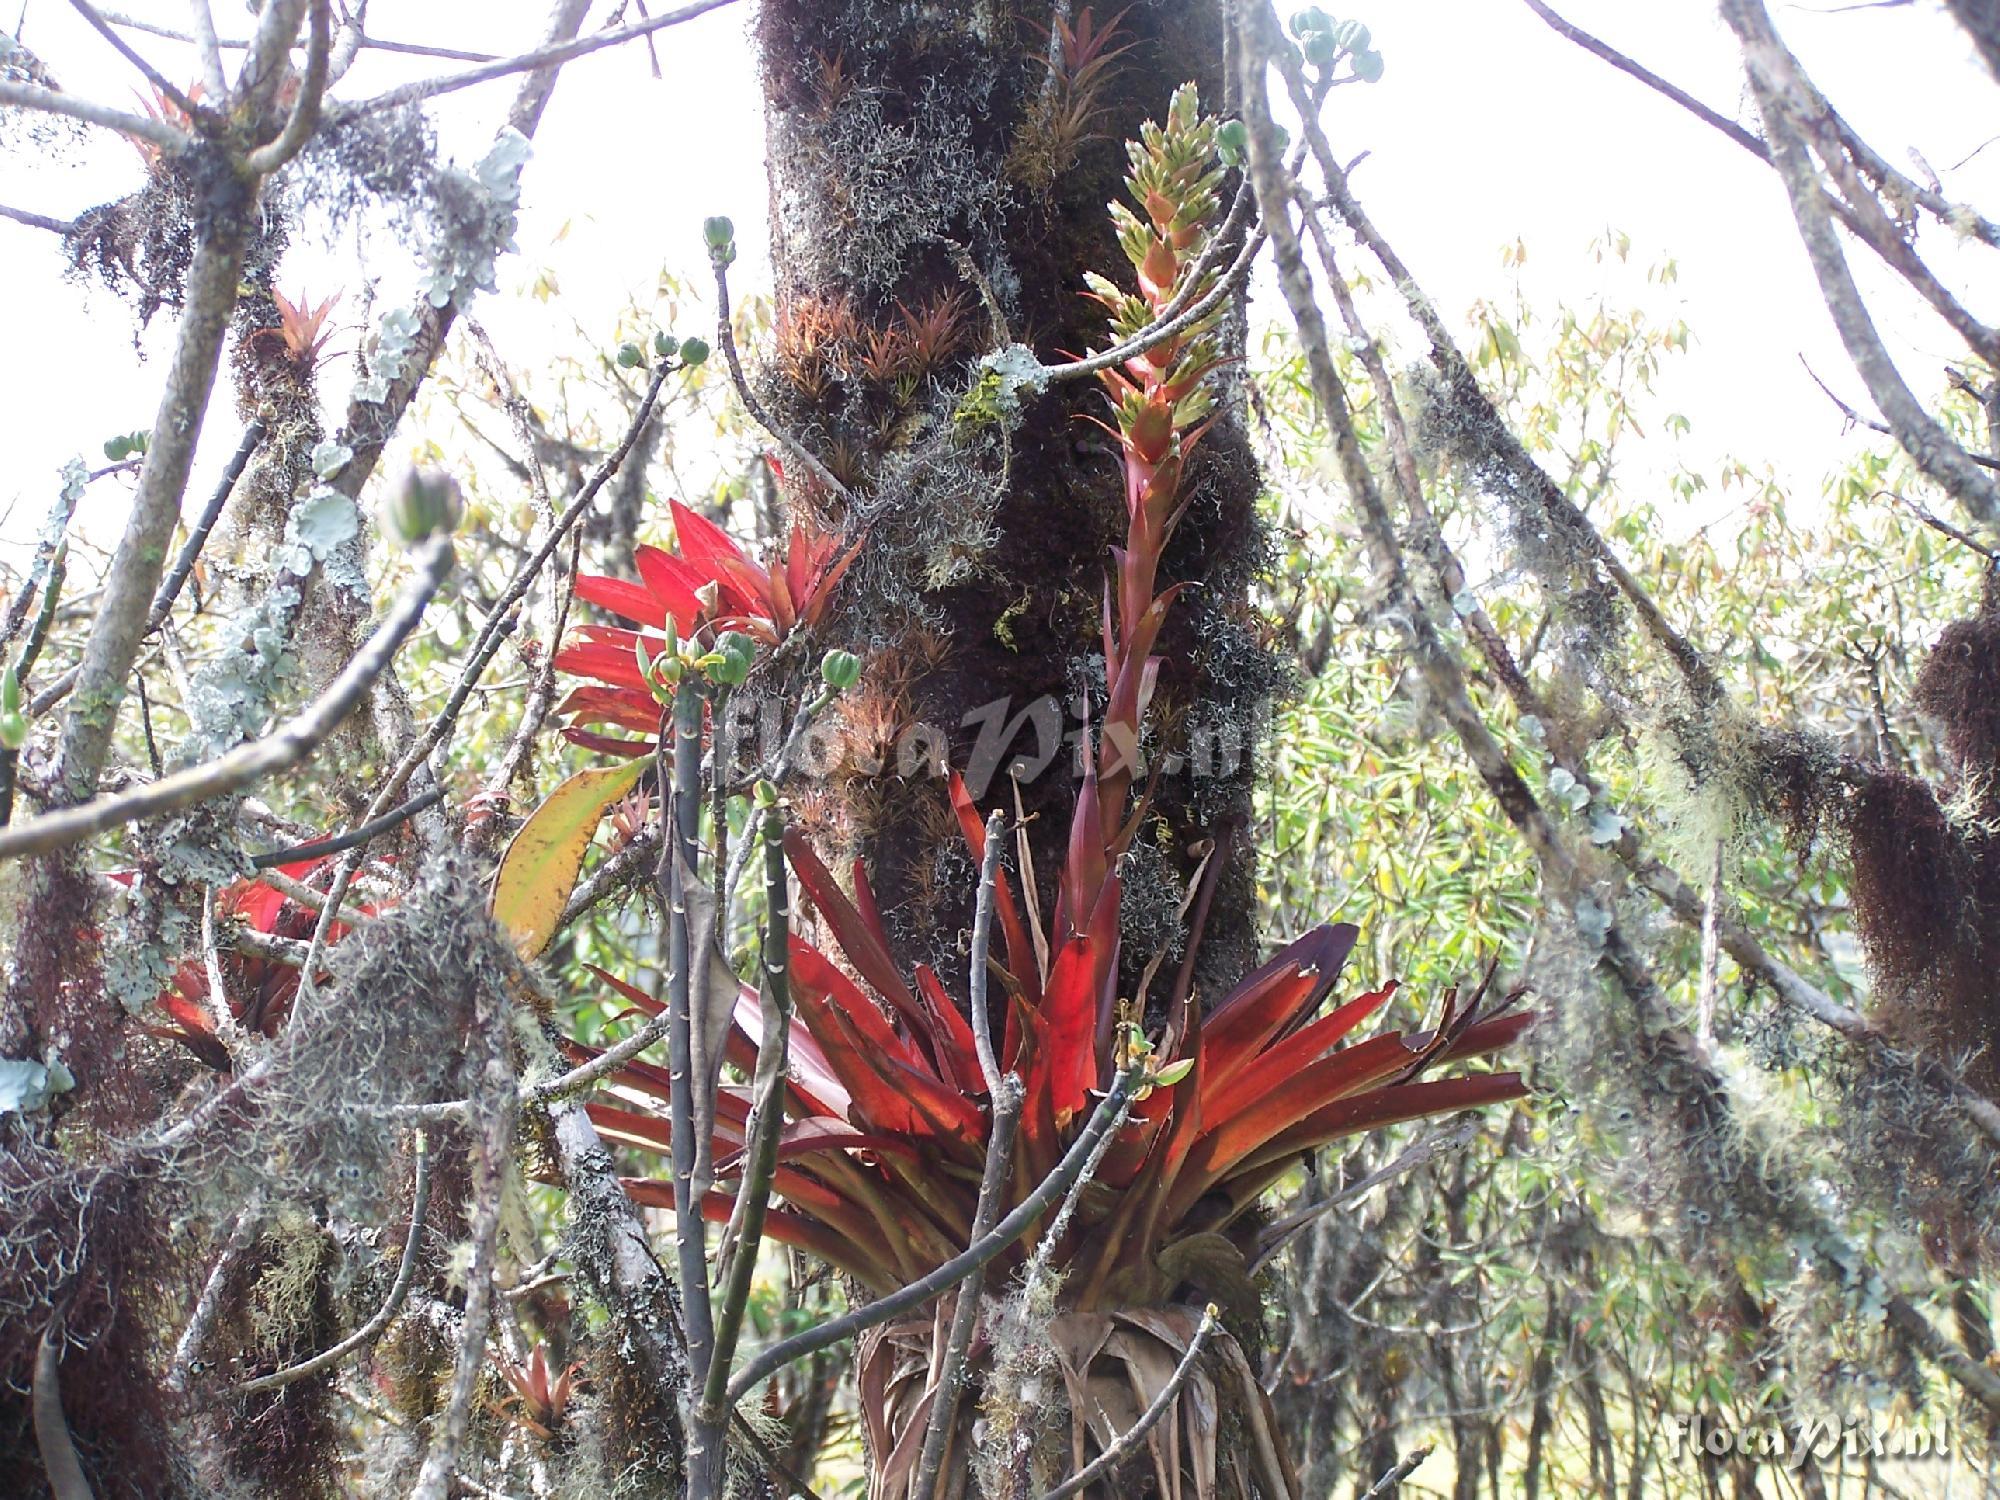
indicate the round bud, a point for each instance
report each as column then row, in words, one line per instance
column 630, row 356
column 693, row 352
column 421, row 503
column 666, row 345
column 717, row 232
column 1232, row 142
column 840, row 670
column 13, row 731
column 734, row 655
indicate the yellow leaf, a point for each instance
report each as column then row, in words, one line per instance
column 540, row 867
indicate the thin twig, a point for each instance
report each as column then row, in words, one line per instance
column 1403, row 1468
column 412, row 93
column 166, row 86
column 982, row 947
column 1103, row 1120
column 37, row 221
column 207, row 49
column 60, row 1464
column 1943, row 527
column 494, row 1099
column 257, row 760
column 383, row 1316
column 55, row 102
column 1116, row 1451
column 306, row 896
column 1171, row 324
column 1275, row 1236
column 680, row 807
column 177, row 577
column 237, row 44
column 374, row 828
column 760, row 1160
column 726, row 337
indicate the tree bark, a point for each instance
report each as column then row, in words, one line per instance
column 899, row 134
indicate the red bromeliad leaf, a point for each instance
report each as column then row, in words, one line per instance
column 628, row 600
column 891, row 1087
column 1269, row 1002
column 1020, row 951
column 862, row 941
column 1224, row 1095
column 956, row 1053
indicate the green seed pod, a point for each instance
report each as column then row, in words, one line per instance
column 1368, row 66
column 1232, row 142
column 734, row 655
column 422, row 503
column 1319, row 47
column 666, row 345
column 840, row 670
column 13, row 731
column 630, row 356
column 718, row 233
column 693, row 352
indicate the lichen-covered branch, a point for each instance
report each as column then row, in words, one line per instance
column 250, row 763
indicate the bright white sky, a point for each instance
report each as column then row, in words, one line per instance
column 1486, row 129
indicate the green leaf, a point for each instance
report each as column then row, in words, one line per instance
column 540, row 867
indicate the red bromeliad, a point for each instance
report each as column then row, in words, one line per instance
column 709, row 582
column 887, row 1126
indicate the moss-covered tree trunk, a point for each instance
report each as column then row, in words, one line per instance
column 939, row 180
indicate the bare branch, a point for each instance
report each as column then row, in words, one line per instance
column 207, row 49
column 491, row 1143
column 544, row 57
column 1103, row 1120
column 760, row 1161
column 1392, row 1479
column 982, row 946
column 60, row 1464
column 37, row 221
column 1184, row 310
column 203, row 36
column 170, row 587
column 209, row 1302
column 1776, row 88
column 1006, row 1096
column 1274, row 1237
column 374, row 828
column 304, row 118
column 252, row 762
column 136, row 566
column 166, row 86
column 55, row 102
column 1651, row 79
